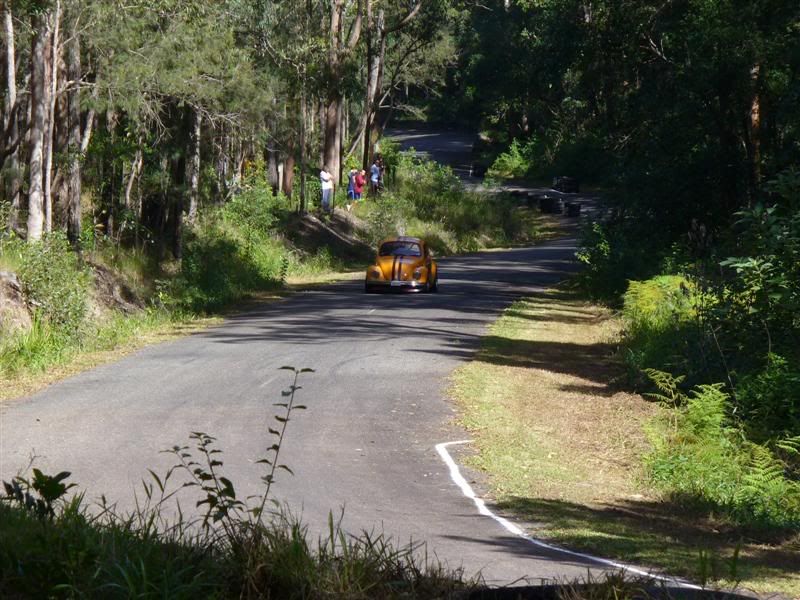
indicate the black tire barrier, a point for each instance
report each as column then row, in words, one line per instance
column 549, row 204
column 573, row 209
column 568, row 185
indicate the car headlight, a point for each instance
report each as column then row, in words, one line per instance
column 374, row 273
column 419, row 272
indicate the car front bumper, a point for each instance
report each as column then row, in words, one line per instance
column 395, row 284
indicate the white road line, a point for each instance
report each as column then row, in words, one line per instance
column 466, row 489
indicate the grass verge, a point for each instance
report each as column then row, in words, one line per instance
column 562, row 450
column 112, row 340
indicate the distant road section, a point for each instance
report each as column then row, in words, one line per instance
column 453, row 148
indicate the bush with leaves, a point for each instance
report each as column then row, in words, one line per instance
column 616, row 251
column 768, row 401
column 430, row 200
column 234, row 248
column 763, row 296
column 55, row 284
column 516, row 162
column 700, row 455
column 663, row 329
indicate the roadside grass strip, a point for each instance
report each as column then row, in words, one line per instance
column 562, row 450
column 466, row 489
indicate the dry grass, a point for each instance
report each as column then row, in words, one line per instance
column 540, row 386
column 298, row 282
column 562, row 446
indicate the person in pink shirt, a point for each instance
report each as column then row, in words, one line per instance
column 359, row 183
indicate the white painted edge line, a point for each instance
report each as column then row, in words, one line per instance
column 466, row 489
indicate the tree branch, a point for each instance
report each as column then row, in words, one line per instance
column 407, row 19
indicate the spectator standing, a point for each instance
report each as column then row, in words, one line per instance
column 326, row 179
column 359, row 183
column 374, row 177
column 351, row 187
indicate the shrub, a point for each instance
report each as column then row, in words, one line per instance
column 768, row 400
column 760, row 291
column 700, row 455
column 430, row 200
column 662, row 330
column 517, row 161
column 613, row 253
column 53, row 281
column 387, row 216
column 234, row 249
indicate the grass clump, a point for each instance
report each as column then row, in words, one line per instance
column 56, row 286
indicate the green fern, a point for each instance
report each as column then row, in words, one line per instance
column 765, row 492
column 668, row 386
column 790, row 446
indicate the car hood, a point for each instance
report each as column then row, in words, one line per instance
column 398, row 267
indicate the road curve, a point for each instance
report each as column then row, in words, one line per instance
column 377, row 409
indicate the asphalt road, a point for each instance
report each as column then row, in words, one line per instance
column 377, row 409
column 453, row 148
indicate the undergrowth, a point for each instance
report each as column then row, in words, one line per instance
column 712, row 324
column 428, row 200
column 700, row 455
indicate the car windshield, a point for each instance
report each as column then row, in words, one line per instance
column 400, row 248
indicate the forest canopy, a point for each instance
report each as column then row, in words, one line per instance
column 132, row 116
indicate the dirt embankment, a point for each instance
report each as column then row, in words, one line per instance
column 108, row 291
column 14, row 313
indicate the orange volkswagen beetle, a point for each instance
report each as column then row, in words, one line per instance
column 403, row 263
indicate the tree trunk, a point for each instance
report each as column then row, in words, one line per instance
column 194, row 167
column 74, row 74
column 754, row 130
column 37, row 128
column 340, row 138
column 373, row 129
column 288, row 174
column 273, row 176
column 330, row 153
column 303, row 119
column 52, row 81
column 376, row 65
column 11, row 120
column 133, row 176
column 110, row 178
column 338, row 51
column 60, row 184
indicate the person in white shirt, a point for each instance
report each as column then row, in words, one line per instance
column 326, row 179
